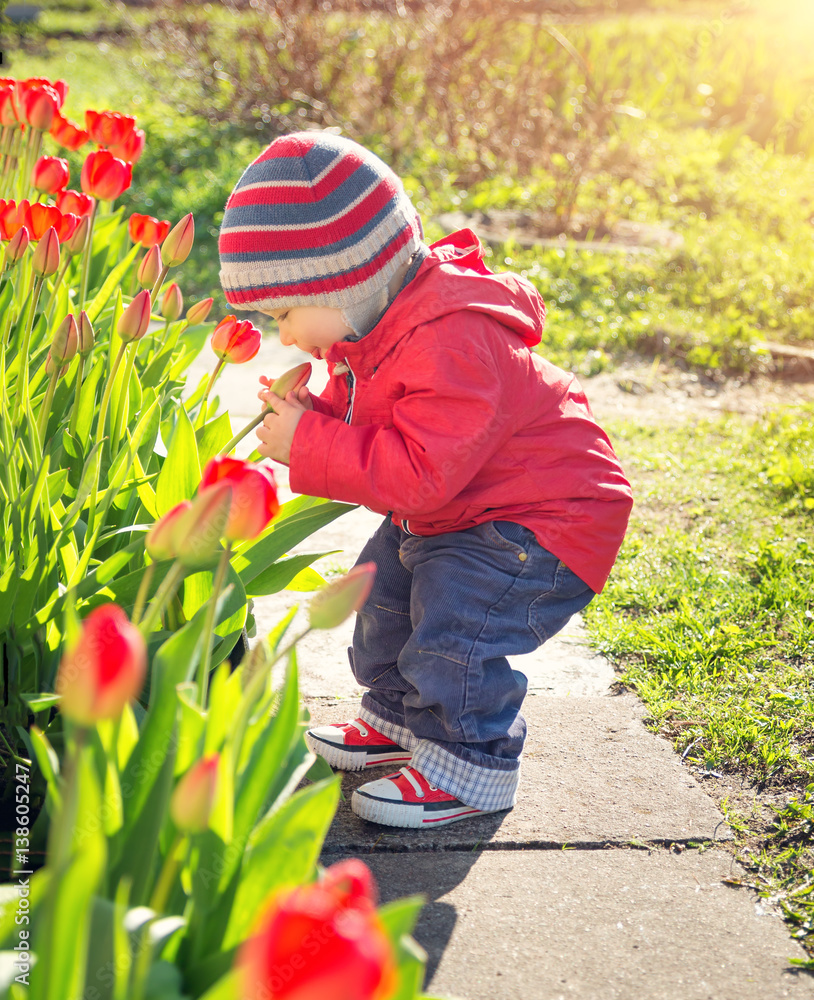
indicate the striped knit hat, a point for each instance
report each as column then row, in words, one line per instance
column 316, row 219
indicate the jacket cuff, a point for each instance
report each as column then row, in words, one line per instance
column 321, row 405
column 310, row 449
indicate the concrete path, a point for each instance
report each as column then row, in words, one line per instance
column 606, row 880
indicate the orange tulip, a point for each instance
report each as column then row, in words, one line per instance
column 12, row 217
column 45, row 261
column 320, row 940
column 199, row 312
column 107, row 128
column 235, row 342
column 136, row 318
column 104, row 176
column 254, row 495
column 50, row 174
column 104, row 670
column 332, row 605
column 130, row 148
column 146, row 230
column 74, row 202
column 67, row 133
column 178, row 243
column 39, row 218
column 194, row 796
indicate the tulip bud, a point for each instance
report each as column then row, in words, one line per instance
column 52, row 366
column 150, row 268
column 179, row 240
column 136, row 318
column 66, row 340
column 194, row 796
column 291, row 380
column 45, row 261
column 85, row 334
column 198, row 530
column 254, row 495
column 199, row 312
column 332, row 605
column 16, row 247
column 160, row 542
column 172, row 305
column 104, row 669
column 76, row 244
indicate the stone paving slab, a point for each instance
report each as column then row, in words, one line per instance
column 592, row 925
column 592, row 775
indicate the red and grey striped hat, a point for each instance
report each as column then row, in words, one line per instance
column 316, row 219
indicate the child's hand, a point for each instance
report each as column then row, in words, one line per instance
column 277, row 430
column 303, row 395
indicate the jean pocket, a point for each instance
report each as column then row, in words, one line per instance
column 509, row 535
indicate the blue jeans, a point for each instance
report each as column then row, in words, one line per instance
column 431, row 642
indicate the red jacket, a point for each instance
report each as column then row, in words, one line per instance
column 443, row 416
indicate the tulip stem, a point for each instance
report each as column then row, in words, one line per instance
column 157, row 286
column 83, row 286
column 143, row 590
column 209, row 627
column 100, row 433
column 80, row 371
column 162, row 595
column 22, row 377
column 201, row 419
column 117, row 428
column 249, row 427
column 164, row 882
column 45, row 412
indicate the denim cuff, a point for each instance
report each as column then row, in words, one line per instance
column 480, row 787
column 392, row 730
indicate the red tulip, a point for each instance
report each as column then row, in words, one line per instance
column 16, row 247
column 104, row 670
column 254, row 495
column 50, row 174
column 199, row 312
column 12, row 217
column 172, row 305
column 235, row 342
column 59, row 87
column 136, row 318
column 198, row 531
column 39, row 105
column 160, row 542
column 332, row 605
column 146, row 230
column 194, row 796
column 130, row 148
column 178, row 243
column 45, row 261
column 9, row 113
column 150, row 268
column 107, row 128
column 67, row 133
column 74, row 202
column 104, row 176
column 318, row 941
column 39, row 218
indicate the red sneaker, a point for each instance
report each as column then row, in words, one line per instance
column 406, row 798
column 353, row 746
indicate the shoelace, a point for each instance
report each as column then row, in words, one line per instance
column 408, row 774
column 359, row 726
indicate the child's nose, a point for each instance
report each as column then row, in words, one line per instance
column 285, row 338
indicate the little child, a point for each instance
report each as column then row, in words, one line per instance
column 505, row 504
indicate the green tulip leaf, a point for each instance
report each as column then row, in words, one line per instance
column 213, row 436
column 111, row 284
column 282, row 572
column 180, row 474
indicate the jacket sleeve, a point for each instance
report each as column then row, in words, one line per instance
column 452, row 417
column 322, row 402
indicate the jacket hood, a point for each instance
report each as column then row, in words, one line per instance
column 508, row 298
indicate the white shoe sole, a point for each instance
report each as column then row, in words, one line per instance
column 346, row 759
column 390, row 813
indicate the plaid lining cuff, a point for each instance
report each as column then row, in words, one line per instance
column 480, row 787
column 398, row 734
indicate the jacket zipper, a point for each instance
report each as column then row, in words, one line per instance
column 351, row 379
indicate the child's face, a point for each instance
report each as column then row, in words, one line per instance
column 311, row 328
